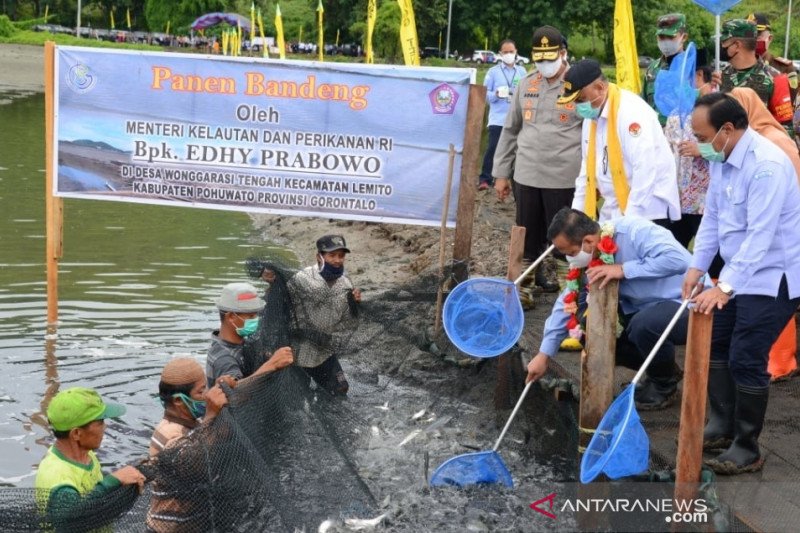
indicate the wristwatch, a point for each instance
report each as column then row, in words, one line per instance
column 726, row 288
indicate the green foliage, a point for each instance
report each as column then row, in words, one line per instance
column 28, row 23
column 386, row 38
column 7, row 28
column 39, row 38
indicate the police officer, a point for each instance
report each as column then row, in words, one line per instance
column 541, row 143
column 763, row 40
column 671, row 34
column 746, row 69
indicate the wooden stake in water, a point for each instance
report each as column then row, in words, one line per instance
column 437, row 327
column 54, row 207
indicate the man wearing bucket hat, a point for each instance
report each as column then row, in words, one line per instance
column 540, row 145
column 70, row 471
column 324, row 301
column 671, row 35
column 625, row 157
column 745, row 69
column 239, row 306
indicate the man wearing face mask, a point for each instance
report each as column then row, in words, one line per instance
column 239, row 306
column 671, row 35
column 745, row 69
column 763, row 42
column 540, row 144
column 625, row 157
column 752, row 216
column 649, row 264
column 501, row 84
column 324, row 302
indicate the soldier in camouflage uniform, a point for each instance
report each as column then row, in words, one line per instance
column 746, row 69
column 671, row 34
column 781, row 64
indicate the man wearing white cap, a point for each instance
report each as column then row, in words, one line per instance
column 239, row 305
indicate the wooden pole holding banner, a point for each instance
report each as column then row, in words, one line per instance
column 502, row 387
column 465, row 214
column 54, row 207
column 693, row 406
column 437, row 326
column 597, row 361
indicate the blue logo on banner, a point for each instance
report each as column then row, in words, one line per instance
column 80, row 79
column 443, row 99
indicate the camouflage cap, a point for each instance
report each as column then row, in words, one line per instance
column 738, row 28
column 760, row 20
column 671, row 25
column 547, row 41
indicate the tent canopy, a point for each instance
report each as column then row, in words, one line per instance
column 212, row 19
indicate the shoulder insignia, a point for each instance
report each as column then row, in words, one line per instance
column 782, row 61
column 762, row 174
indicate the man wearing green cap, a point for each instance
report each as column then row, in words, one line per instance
column 746, row 69
column 671, row 34
column 70, row 472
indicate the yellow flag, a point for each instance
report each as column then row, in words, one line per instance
column 408, row 33
column 128, row 16
column 372, row 14
column 225, row 38
column 279, row 32
column 300, row 38
column 261, row 33
column 625, row 48
column 46, row 11
column 320, row 35
column 167, row 32
column 252, row 22
column 111, row 14
column 337, row 38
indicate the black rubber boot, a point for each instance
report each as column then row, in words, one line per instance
column 660, row 389
column 542, row 282
column 744, row 454
column 718, row 433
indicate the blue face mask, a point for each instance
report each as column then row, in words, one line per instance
column 708, row 153
column 249, row 327
column 330, row 272
column 586, row 110
column 197, row 408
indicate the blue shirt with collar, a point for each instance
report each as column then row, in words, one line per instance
column 752, row 216
column 498, row 76
column 653, row 263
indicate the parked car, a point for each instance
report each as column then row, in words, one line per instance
column 521, row 60
column 644, row 61
column 431, row 51
column 483, row 56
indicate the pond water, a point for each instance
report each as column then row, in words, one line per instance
column 136, row 287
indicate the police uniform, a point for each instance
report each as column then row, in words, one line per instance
column 540, row 144
column 761, row 77
column 670, row 26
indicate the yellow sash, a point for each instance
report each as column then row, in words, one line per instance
column 615, row 162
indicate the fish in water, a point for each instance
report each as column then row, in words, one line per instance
column 357, row 524
column 418, row 415
column 410, row 437
column 384, row 407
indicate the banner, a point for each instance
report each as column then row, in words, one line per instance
column 625, row 48
column 333, row 140
column 408, row 33
column 372, row 15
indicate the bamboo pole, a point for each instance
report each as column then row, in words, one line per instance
column 465, row 214
column 693, row 406
column 54, row 208
column 516, row 248
column 437, row 327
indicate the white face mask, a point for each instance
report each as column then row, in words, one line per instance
column 548, row 69
column 670, row 47
column 509, row 58
column 579, row 261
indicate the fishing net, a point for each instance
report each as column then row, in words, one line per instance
column 473, row 469
column 483, row 316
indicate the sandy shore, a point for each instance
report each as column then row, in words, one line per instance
column 22, row 67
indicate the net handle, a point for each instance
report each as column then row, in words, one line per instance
column 534, row 264
column 667, row 331
column 519, row 402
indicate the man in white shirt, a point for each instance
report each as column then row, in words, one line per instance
column 626, row 159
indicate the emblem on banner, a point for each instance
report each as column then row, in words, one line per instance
column 443, row 99
column 80, row 79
